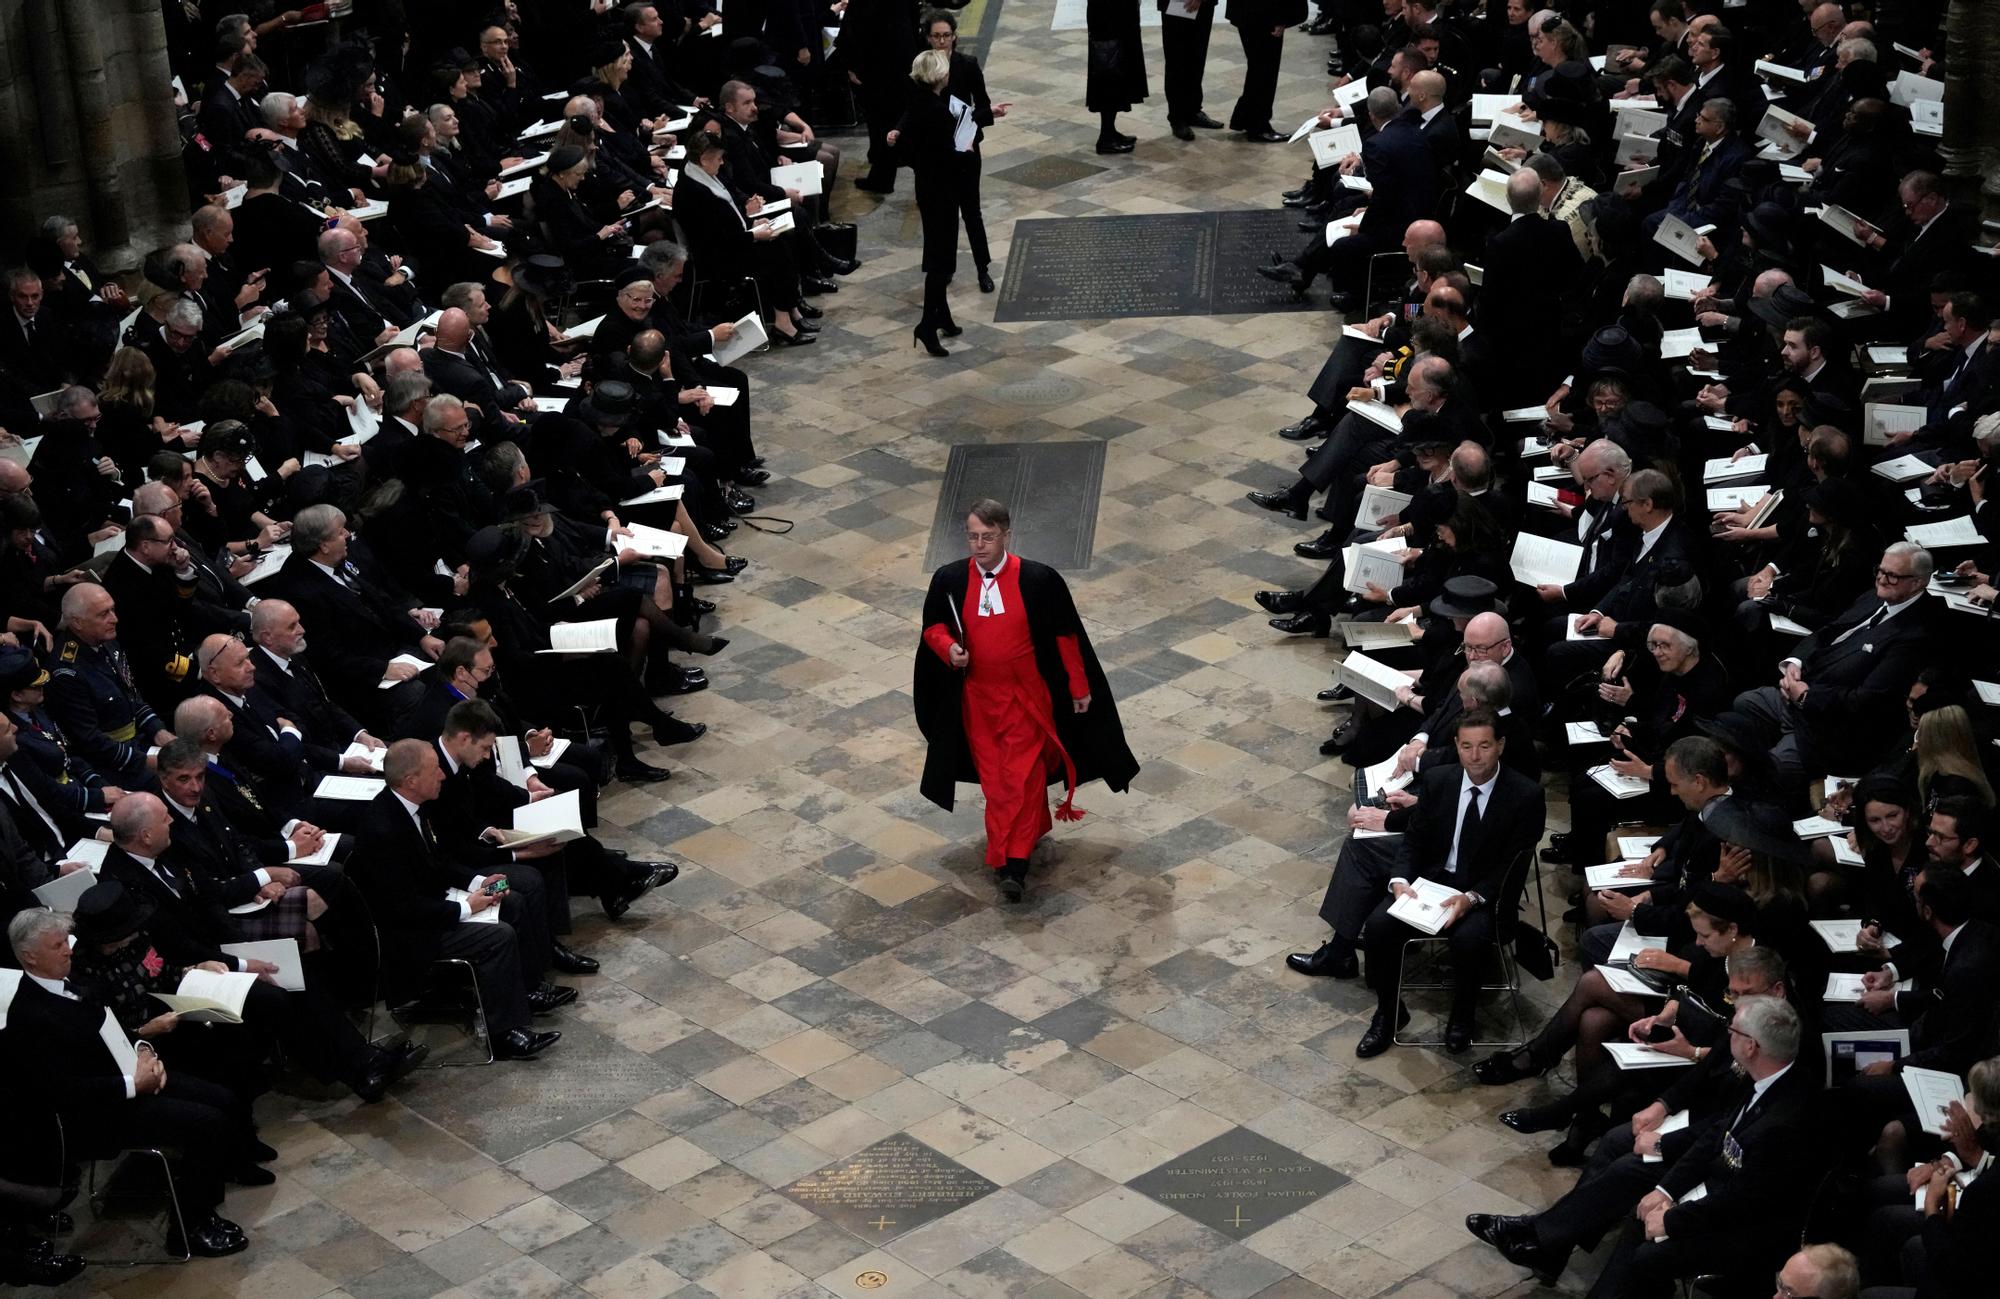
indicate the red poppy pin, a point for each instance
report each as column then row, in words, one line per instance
column 152, row 964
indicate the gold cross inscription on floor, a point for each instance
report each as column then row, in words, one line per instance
column 883, row 1223
column 1239, row 1219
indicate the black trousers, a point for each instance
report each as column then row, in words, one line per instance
column 1261, row 52
column 1360, row 877
column 1341, row 372
column 494, row 952
column 1185, row 42
column 200, row 1125
column 1471, row 942
column 883, row 106
column 725, row 430
column 967, row 183
column 1598, row 1202
column 1647, row 1269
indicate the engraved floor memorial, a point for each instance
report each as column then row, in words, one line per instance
column 1175, row 264
column 828, row 1015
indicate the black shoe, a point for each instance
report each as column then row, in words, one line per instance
column 1327, row 962
column 808, row 313
column 799, row 339
column 869, row 185
column 1182, row 131
column 258, row 1153
column 567, row 961
column 1343, row 735
column 1380, row 1037
column 248, row 1174
column 985, row 280
column 385, row 1068
column 716, row 644
column 1303, row 622
column 1334, row 694
column 524, row 1044
column 672, row 730
column 927, row 335
column 1204, row 121
column 1116, row 144
column 634, row 772
column 40, row 1265
column 1264, row 135
column 1458, row 1034
column 1297, row 198
column 1286, row 273
column 737, row 501
column 1014, row 879
column 950, row 329
column 702, row 607
column 815, row 284
column 1514, row 1236
column 747, row 477
column 1570, row 1152
column 1324, row 546
column 1345, row 303
column 1502, row 1067
column 1278, row 503
column 709, row 577
column 549, row 998
column 841, row 266
column 658, row 874
column 1319, row 26
column 679, row 682
column 1312, row 426
column 214, row 1237
column 1558, row 850
column 1282, row 601
column 715, row 533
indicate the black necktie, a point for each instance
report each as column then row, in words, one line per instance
column 1874, row 620
column 1467, row 827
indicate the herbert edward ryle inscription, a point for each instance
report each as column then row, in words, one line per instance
column 1168, row 264
column 894, row 1186
column 1239, row 1183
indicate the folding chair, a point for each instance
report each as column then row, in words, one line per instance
column 1436, row 952
column 176, row 1219
column 419, row 1011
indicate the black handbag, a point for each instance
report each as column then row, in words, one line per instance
column 837, row 239
column 1534, row 950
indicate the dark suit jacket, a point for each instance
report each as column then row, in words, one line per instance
column 466, row 380
column 1607, row 548
column 1778, row 1144
column 1511, row 822
column 73, row 1072
column 301, row 696
column 276, row 763
column 471, row 800
column 1528, row 262
column 356, row 631
column 188, row 925
column 1951, row 1014
column 401, row 873
column 1631, row 596
column 1857, row 687
column 1700, row 198
column 1398, row 163
column 221, row 862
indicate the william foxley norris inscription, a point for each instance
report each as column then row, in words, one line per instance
column 892, row 1187
column 1239, row 1183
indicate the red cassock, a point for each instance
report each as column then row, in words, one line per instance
column 1009, row 718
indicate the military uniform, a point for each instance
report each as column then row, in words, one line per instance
column 92, row 696
column 43, row 744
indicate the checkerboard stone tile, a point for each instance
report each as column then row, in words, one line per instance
column 831, row 971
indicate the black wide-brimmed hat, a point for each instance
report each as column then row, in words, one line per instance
column 1785, row 304
column 107, row 912
column 1465, row 597
column 610, row 402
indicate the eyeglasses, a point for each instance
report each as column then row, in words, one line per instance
column 976, row 537
column 1786, row 1292
column 1888, row 576
column 1659, row 646
column 1492, row 647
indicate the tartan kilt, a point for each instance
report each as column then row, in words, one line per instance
column 284, row 918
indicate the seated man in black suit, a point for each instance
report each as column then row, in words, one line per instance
column 1728, row 1095
column 114, row 1103
column 265, row 748
column 1846, row 682
column 288, row 681
column 1470, row 825
column 1652, row 506
column 404, row 876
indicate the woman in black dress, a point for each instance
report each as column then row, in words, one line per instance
column 967, row 84
column 927, row 138
column 727, row 242
column 1117, row 78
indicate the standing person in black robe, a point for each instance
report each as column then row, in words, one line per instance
column 986, row 675
column 1117, row 77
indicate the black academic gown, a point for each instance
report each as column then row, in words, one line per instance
column 1094, row 740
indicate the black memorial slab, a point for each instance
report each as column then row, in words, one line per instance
column 1050, row 487
column 1048, row 173
column 1173, row 264
column 1239, row 1183
column 892, row 1187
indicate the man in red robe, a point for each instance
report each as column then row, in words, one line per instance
column 1002, row 644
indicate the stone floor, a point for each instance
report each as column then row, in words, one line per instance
column 831, row 967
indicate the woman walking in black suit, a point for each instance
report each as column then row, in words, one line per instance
column 936, row 128
column 968, row 85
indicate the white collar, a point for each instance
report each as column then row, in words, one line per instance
column 1762, row 1085
column 1703, row 78
column 444, row 756
column 147, row 862
column 1431, row 112
column 234, row 699
column 53, row 985
column 1953, row 934
column 998, row 568
column 284, row 661
column 414, row 809
column 330, row 571
column 172, row 806
column 1922, row 229
column 1465, row 783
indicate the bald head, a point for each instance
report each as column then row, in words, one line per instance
column 1427, row 88
column 454, row 330
column 402, row 361
column 139, row 825
column 200, row 719
column 1485, row 628
column 1524, row 192
column 14, row 478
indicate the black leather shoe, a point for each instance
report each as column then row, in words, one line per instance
column 1531, row 1119
column 567, row 961
column 1514, row 1237
column 658, row 874
column 738, row 502
column 1303, row 622
column 951, row 329
column 1558, row 850
column 1457, row 1035
column 714, row 533
column 524, row 1044
column 1204, row 121
column 841, row 266
column 709, row 576
column 801, row 338
column 40, row 1265
column 549, row 998
column 1312, row 426
column 248, row 1174
column 1324, row 546
column 634, row 772
column 1345, row 303
column 1278, row 503
column 1264, row 135
column 747, row 477
column 817, row 284
column 672, row 730
column 1286, row 273
column 1380, row 1036
column 701, row 606
column 1335, row 694
column 213, row 1237
column 1297, row 197
column 1327, row 962
column 1570, row 1152
column 1182, row 131
column 985, row 280
column 867, row 185
column 1119, row 144
column 1281, row 601
column 1503, row 1067
column 1014, row 880
column 1343, row 735
column 678, row 683
column 385, row 1068
column 808, row 313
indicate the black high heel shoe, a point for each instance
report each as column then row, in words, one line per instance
column 928, row 337
column 800, row 339
column 950, row 329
